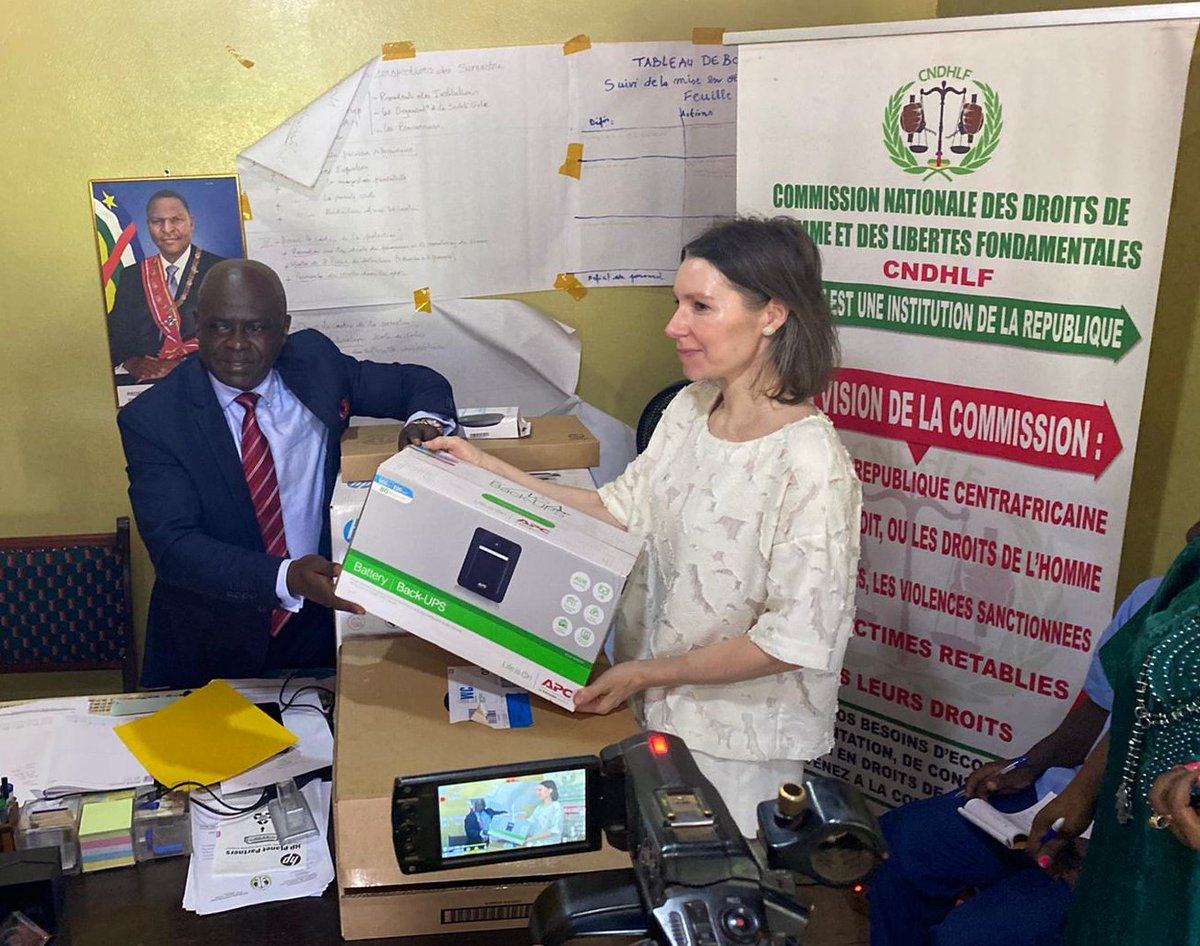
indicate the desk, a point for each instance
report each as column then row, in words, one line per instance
column 140, row 906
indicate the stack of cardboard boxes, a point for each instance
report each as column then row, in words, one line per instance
column 481, row 571
column 392, row 720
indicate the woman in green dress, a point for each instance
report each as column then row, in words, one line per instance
column 1140, row 881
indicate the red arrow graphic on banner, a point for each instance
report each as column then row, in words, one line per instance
column 1059, row 435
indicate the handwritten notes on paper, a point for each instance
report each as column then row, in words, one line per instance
column 658, row 125
column 426, row 184
column 442, row 171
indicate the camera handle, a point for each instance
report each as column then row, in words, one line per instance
column 605, row 902
column 732, row 913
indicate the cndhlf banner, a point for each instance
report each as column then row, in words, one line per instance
column 991, row 207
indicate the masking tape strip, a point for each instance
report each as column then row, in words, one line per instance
column 421, row 300
column 571, row 285
column 244, row 200
column 577, row 44
column 573, row 165
column 708, row 36
column 248, row 63
column 400, row 50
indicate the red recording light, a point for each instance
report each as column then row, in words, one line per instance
column 658, row 743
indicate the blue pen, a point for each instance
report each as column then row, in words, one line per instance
column 1054, row 829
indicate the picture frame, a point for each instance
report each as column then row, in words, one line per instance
column 156, row 238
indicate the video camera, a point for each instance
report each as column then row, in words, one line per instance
column 695, row 881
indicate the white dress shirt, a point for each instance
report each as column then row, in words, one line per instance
column 184, row 258
column 298, row 447
column 298, row 444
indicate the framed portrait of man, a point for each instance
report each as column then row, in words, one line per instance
column 157, row 238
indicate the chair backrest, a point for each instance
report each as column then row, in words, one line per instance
column 66, row 603
column 654, row 410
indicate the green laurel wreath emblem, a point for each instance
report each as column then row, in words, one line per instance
column 977, row 157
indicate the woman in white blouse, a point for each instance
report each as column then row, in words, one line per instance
column 733, row 625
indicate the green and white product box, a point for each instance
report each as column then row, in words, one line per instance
column 345, row 506
column 495, row 573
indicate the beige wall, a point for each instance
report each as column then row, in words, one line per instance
column 128, row 88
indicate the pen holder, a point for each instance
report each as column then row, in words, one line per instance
column 161, row 827
column 52, row 823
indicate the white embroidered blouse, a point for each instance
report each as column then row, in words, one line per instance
column 757, row 538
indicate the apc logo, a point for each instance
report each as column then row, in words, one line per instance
column 555, row 687
column 944, row 123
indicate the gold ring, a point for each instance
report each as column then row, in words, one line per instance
column 1158, row 821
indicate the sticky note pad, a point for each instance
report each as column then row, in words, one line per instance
column 210, row 735
column 104, row 838
column 103, row 817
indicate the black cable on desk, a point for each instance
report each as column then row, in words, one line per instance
column 231, row 811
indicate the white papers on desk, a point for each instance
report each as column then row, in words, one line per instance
column 208, row 892
column 313, row 750
column 54, row 747
column 304, row 717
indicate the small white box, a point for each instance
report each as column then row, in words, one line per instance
column 492, row 423
column 495, row 573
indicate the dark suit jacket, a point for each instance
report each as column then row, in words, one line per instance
column 214, row 585
column 131, row 328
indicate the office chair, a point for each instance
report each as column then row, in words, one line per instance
column 654, row 410
column 66, row 603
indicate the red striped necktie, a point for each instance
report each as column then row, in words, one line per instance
column 259, row 470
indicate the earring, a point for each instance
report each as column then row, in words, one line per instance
column 769, row 331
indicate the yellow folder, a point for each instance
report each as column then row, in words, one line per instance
column 211, row 734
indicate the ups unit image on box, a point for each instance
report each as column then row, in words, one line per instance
column 489, row 565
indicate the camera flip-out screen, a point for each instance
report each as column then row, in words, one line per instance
column 501, row 813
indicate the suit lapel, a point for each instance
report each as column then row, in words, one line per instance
column 214, row 433
column 305, row 384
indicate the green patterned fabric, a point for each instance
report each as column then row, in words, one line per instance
column 1141, row 885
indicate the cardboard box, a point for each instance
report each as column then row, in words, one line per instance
column 555, row 442
column 500, row 575
column 344, row 508
column 391, row 721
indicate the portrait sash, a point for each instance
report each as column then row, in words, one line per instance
column 165, row 310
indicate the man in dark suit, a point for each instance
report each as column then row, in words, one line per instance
column 236, row 594
column 152, row 326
